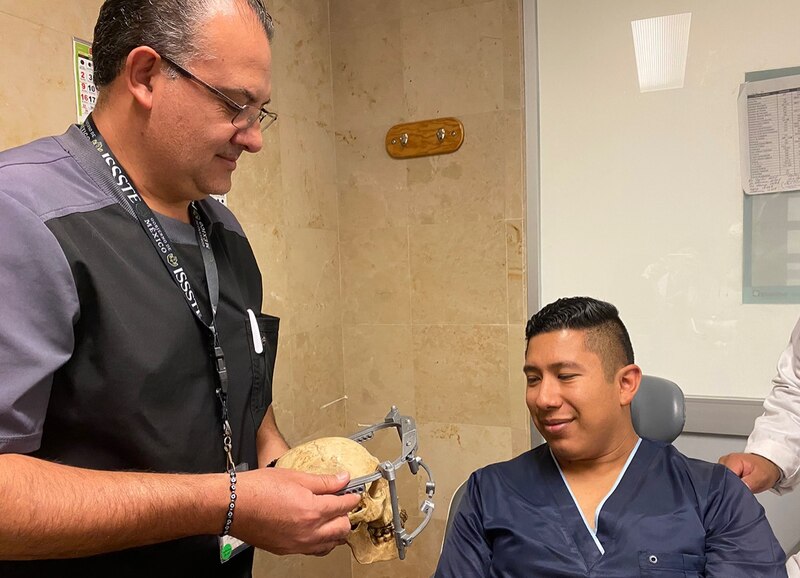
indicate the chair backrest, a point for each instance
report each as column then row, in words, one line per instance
column 658, row 410
column 451, row 511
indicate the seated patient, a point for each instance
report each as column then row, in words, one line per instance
column 596, row 500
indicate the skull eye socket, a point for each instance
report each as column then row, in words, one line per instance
column 373, row 490
column 353, row 527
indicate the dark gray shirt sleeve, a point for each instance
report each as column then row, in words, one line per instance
column 38, row 308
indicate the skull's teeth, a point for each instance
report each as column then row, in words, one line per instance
column 381, row 535
column 385, row 533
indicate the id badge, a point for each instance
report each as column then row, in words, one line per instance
column 228, row 545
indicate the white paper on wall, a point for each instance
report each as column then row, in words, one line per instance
column 769, row 135
column 85, row 89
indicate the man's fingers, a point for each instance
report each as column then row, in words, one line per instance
column 335, row 506
column 734, row 463
column 325, row 549
column 751, row 483
column 757, row 472
column 323, row 483
column 336, row 530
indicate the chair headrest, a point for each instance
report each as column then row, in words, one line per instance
column 658, row 409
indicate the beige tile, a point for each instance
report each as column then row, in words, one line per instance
column 474, row 183
column 414, row 9
column 378, row 372
column 258, row 196
column 376, row 285
column 308, row 169
column 302, row 61
column 372, row 185
column 366, row 209
column 283, row 388
column 513, row 80
column 458, row 273
column 461, row 374
column 318, row 382
column 454, row 451
column 312, row 263
column 74, row 18
column 269, row 246
column 368, row 77
column 454, row 61
column 362, row 14
column 517, row 384
column 421, row 557
column 334, row 565
column 362, row 160
column 515, row 266
column 39, row 96
column 513, row 161
column 520, row 440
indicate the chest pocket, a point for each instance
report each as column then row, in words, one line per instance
column 655, row 565
column 263, row 332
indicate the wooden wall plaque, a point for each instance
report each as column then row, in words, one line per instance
column 425, row 137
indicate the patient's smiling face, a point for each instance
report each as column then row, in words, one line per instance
column 580, row 410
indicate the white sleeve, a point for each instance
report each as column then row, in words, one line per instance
column 793, row 566
column 776, row 434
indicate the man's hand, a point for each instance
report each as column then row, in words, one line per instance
column 757, row 472
column 289, row 512
column 279, row 510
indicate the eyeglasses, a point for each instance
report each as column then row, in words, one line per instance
column 245, row 115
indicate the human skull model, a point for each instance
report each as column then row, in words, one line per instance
column 372, row 533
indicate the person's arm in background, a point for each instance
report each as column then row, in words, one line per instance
column 739, row 539
column 466, row 551
column 270, row 442
column 772, row 456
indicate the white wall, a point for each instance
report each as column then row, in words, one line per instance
column 641, row 203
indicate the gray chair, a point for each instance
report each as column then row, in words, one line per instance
column 658, row 410
column 658, row 413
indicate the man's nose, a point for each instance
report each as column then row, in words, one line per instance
column 250, row 138
column 548, row 394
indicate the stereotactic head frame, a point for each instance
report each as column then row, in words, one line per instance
column 407, row 430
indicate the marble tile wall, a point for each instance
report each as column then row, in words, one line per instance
column 37, row 96
column 430, row 251
column 286, row 199
column 432, row 248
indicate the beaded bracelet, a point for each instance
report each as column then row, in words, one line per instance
column 231, row 506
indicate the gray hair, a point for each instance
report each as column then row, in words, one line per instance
column 167, row 26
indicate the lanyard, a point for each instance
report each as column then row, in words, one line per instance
column 169, row 257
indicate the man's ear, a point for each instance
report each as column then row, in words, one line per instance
column 628, row 380
column 142, row 67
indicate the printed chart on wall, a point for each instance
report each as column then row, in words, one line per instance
column 85, row 89
column 769, row 122
column 769, row 127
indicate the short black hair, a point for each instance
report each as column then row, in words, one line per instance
column 606, row 335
